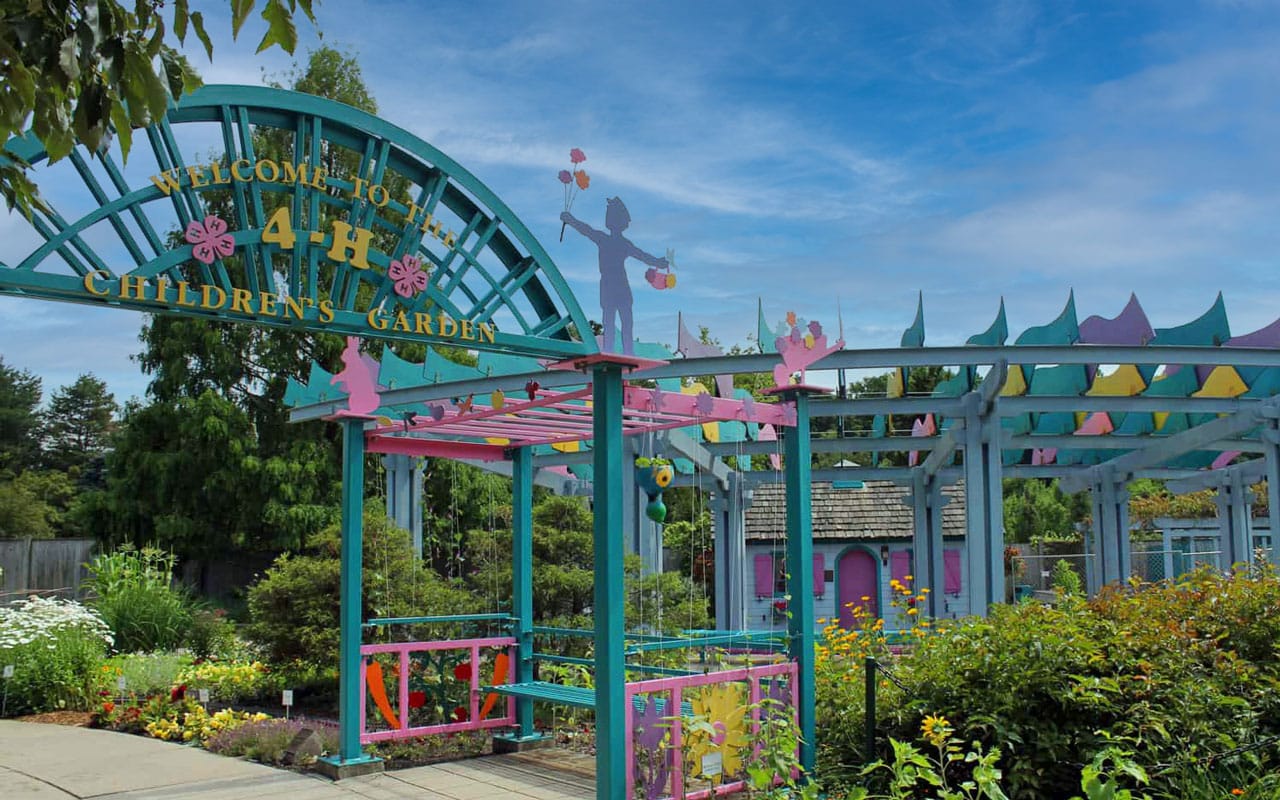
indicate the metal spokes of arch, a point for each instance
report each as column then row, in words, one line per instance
column 111, row 217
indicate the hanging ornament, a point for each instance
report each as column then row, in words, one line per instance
column 653, row 475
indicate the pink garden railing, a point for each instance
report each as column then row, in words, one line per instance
column 503, row 711
column 676, row 692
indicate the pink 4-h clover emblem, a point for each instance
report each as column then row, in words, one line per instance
column 408, row 275
column 210, row 238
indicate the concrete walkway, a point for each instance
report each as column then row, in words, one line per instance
column 55, row 762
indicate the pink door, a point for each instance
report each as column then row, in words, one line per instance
column 857, row 580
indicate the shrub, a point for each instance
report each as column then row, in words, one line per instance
column 133, row 591
column 266, row 740
column 1066, row 579
column 56, row 648
column 211, row 635
column 293, row 609
column 1174, row 674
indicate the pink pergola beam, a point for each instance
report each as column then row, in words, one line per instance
column 440, row 448
column 714, row 409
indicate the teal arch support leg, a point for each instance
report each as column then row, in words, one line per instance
column 1110, row 542
column 522, row 574
column 350, row 694
column 800, row 628
column 611, row 720
column 1235, row 510
column 1269, row 435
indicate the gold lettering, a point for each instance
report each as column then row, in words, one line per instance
column 449, row 239
column 267, row 304
column 320, row 174
column 91, row 288
column 240, row 300
column 376, row 319
column 167, row 181
column 357, row 188
column 206, row 297
column 468, row 329
column 292, row 306
column 162, row 289
column 422, row 323
column 486, row 332
column 134, row 285
column 326, row 311
column 235, row 170
column 198, row 180
column 260, row 168
column 219, row 176
column 292, row 173
column 447, row 326
column 183, row 286
column 373, row 192
column 401, row 323
column 356, row 252
column 412, row 213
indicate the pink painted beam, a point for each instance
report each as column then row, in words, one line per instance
column 401, row 445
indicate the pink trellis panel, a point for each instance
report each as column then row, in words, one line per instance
column 504, row 712
column 674, row 691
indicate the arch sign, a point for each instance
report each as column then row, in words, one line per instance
column 303, row 213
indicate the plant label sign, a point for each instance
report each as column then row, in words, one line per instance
column 286, row 698
column 204, row 696
column 121, row 683
column 8, row 671
column 712, row 764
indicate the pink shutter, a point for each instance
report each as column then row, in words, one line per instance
column 819, row 567
column 951, row 570
column 764, row 575
column 900, row 566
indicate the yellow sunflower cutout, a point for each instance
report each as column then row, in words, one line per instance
column 719, row 755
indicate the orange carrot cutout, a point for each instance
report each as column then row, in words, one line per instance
column 499, row 677
column 378, row 691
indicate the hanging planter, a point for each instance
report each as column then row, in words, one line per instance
column 653, row 475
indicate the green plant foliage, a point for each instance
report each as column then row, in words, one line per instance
column 146, row 673
column 1066, row 580
column 56, row 648
column 78, row 424
column 76, row 71
column 1173, row 674
column 1036, row 509
column 132, row 590
column 293, row 609
column 19, row 420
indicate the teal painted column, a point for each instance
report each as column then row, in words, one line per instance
column 800, row 627
column 522, row 577
column 350, row 695
column 607, row 447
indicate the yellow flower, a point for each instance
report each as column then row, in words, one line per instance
column 724, row 707
column 911, row 612
column 936, row 729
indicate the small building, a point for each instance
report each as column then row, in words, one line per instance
column 862, row 540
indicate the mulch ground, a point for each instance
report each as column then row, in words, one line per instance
column 76, row 719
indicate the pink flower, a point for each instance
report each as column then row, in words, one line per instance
column 565, row 176
column 577, row 156
column 211, row 240
column 408, row 275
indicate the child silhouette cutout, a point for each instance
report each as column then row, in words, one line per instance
column 615, row 249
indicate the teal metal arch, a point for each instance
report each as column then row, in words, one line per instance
column 485, row 265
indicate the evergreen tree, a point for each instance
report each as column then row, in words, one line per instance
column 19, row 420
column 78, row 424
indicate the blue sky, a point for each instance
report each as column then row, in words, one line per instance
column 799, row 153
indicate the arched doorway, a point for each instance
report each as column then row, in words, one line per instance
column 858, row 578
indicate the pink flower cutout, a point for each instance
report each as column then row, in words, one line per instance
column 577, row 156
column 408, row 275
column 210, row 238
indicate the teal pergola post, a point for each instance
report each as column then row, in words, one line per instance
column 350, row 695
column 611, row 720
column 522, row 574
column 800, row 627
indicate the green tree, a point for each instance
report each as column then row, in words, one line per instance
column 1038, row 508
column 77, row 424
column 77, row 70
column 19, row 419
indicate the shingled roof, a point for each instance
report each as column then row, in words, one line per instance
column 876, row 510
